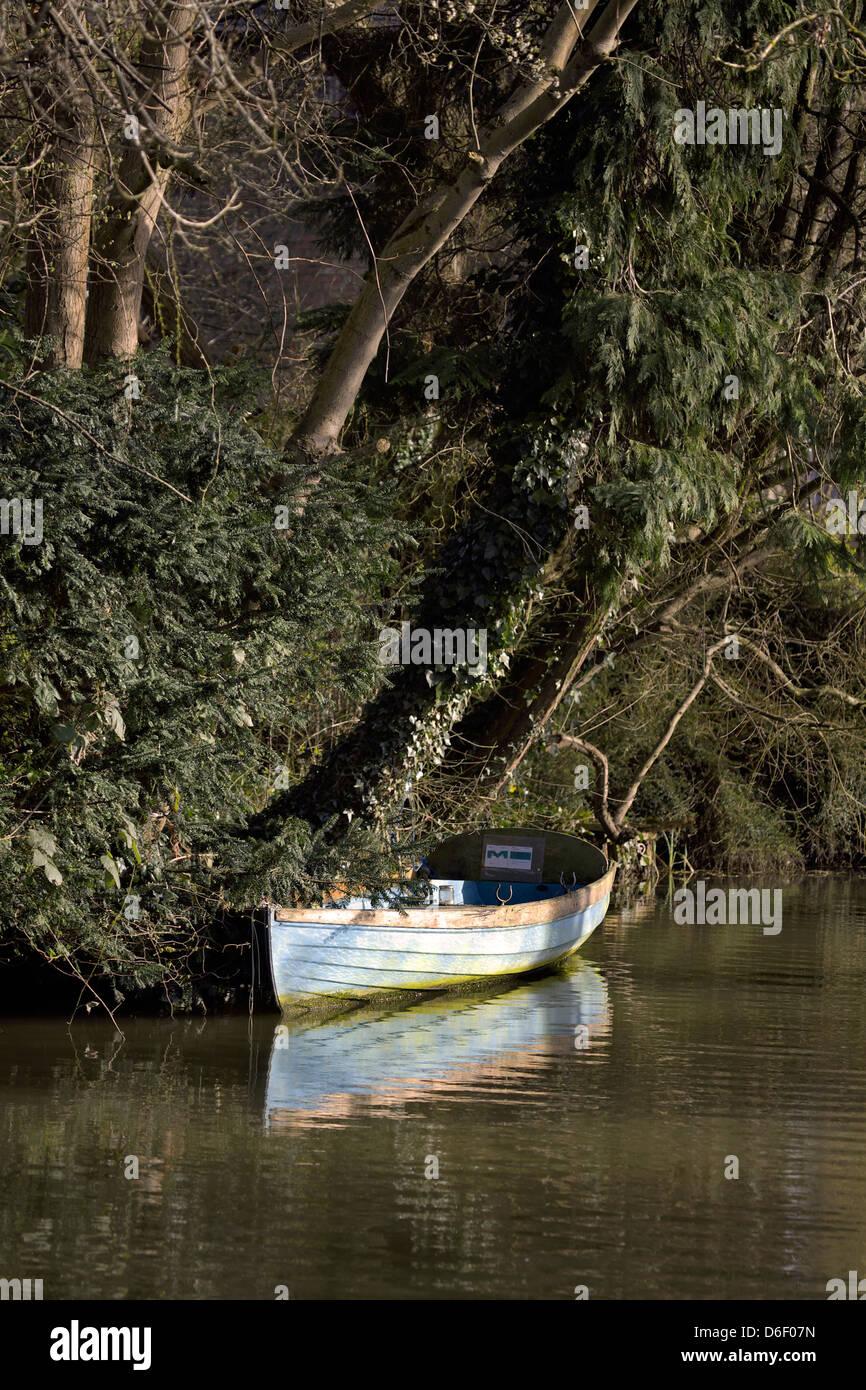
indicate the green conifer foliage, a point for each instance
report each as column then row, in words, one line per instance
column 175, row 617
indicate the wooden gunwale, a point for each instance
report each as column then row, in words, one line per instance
column 455, row 918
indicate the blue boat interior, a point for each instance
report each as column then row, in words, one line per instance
column 494, row 868
column 467, row 892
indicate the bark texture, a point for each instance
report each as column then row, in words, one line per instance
column 120, row 250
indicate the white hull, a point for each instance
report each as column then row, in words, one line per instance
column 316, row 961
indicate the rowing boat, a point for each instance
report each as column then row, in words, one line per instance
column 496, row 904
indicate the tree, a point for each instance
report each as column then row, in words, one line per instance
column 611, row 380
column 697, row 389
column 158, row 643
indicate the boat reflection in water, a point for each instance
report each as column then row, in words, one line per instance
column 328, row 1072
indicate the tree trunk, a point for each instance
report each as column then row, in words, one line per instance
column 59, row 247
column 58, row 243
column 428, row 227
column 511, row 738
column 117, row 276
column 161, row 302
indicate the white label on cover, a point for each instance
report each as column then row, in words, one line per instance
column 508, row 856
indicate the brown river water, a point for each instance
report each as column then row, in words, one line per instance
column 580, row 1131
